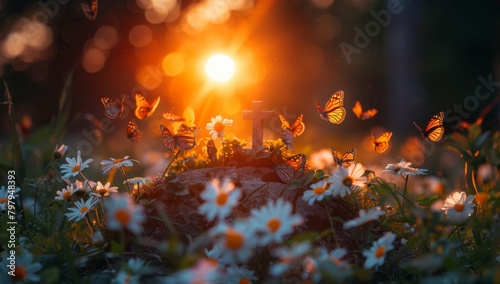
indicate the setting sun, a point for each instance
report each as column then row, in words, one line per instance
column 220, row 67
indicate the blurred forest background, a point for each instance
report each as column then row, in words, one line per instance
column 427, row 57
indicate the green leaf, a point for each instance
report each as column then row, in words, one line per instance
column 50, row 275
column 427, row 201
column 300, row 182
column 116, row 248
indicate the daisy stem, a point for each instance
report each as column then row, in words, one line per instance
column 83, row 176
column 88, row 224
column 126, row 181
column 171, row 161
column 331, row 223
column 404, row 193
column 38, row 185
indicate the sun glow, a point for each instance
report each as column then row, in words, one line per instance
column 220, row 67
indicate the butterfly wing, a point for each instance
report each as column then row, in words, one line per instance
column 346, row 160
column 435, row 129
column 133, row 133
column 143, row 109
column 369, row 114
column 170, row 116
column 186, row 137
column 357, row 109
column 167, row 138
column 334, row 110
column 291, row 168
column 90, row 10
column 211, row 150
column 298, row 126
column 284, row 122
column 112, row 109
column 381, row 144
column 287, row 137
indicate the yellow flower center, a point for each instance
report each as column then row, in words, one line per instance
column 3, row 200
column 380, row 252
column 123, row 216
column 117, row 161
column 459, row 207
column 274, row 224
column 66, row 194
column 84, row 209
column 245, row 281
column 219, row 126
column 101, row 190
column 75, row 169
column 234, row 239
column 222, row 198
column 319, row 190
column 348, row 181
column 20, row 272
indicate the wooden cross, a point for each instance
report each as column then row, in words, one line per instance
column 257, row 115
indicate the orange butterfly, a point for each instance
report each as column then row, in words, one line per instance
column 143, row 108
column 334, row 111
column 345, row 160
column 435, row 129
column 211, row 150
column 170, row 116
column 90, row 11
column 184, row 139
column 381, row 143
column 288, row 168
column 113, row 109
column 358, row 111
column 133, row 133
column 297, row 128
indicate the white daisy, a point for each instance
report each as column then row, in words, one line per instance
column 66, row 193
column 4, row 197
column 81, row 209
column 365, row 217
column 288, row 256
column 98, row 239
column 237, row 241
column 138, row 181
column 458, row 207
column 74, row 166
column 104, row 190
column 318, row 191
column 25, row 268
column 345, row 180
column 403, row 168
column 329, row 265
column 218, row 125
column 203, row 271
column 60, row 151
column 107, row 165
column 238, row 275
column 274, row 221
column 123, row 277
column 375, row 256
column 219, row 199
column 123, row 213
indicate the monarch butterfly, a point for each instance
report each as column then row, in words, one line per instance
column 358, row 111
column 133, row 133
column 184, row 139
column 90, row 11
column 112, row 109
column 435, row 129
column 334, row 111
column 288, row 168
column 287, row 137
column 345, row 160
column 211, row 150
column 297, row 128
column 143, row 108
column 381, row 143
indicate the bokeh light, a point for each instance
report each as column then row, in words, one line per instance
column 173, row 64
column 220, row 67
column 140, row 36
